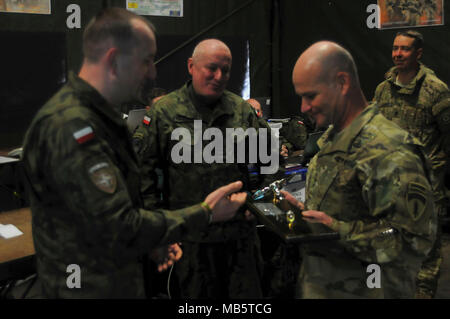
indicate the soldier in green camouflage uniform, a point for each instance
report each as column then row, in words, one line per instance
column 225, row 263
column 369, row 182
column 415, row 99
column 295, row 132
column 259, row 113
column 84, row 175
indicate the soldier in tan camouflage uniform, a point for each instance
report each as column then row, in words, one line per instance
column 84, row 176
column 415, row 99
column 369, row 182
column 226, row 262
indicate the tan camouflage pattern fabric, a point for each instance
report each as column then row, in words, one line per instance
column 372, row 178
column 423, row 109
column 85, row 202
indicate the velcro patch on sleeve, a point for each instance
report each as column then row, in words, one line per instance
column 103, row 177
column 146, row 120
column 416, row 199
column 84, row 135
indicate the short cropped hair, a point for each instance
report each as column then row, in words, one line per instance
column 111, row 27
column 417, row 36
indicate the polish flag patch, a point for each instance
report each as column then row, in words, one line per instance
column 84, row 135
column 146, row 120
column 301, row 123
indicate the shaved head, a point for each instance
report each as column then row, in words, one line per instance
column 256, row 106
column 326, row 79
column 205, row 47
column 210, row 67
column 325, row 59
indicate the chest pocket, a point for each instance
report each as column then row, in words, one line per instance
column 319, row 181
column 416, row 118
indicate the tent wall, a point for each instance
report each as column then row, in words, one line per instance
column 277, row 31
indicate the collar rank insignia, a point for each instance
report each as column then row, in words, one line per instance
column 84, row 135
column 146, row 120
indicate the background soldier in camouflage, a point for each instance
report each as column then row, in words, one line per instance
column 225, row 263
column 369, row 182
column 259, row 113
column 256, row 106
column 415, row 99
column 84, row 177
column 295, row 132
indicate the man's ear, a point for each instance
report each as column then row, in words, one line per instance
column 190, row 65
column 111, row 60
column 343, row 80
column 419, row 53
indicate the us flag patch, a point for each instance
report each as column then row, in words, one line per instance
column 84, row 135
column 146, row 120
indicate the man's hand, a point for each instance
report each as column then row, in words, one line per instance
column 311, row 216
column 314, row 216
column 166, row 256
column 224, row 205
column 284, row 151
column 292, row 200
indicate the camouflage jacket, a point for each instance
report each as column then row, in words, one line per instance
column 422, row 108
column 225, row 262
column 373, row 179
column 295, row 133
column 186, row 182
column 86, row 209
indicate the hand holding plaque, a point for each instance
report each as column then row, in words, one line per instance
column 273, row 209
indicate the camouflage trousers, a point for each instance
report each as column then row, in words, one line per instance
column 428, row 276
column 228, row 270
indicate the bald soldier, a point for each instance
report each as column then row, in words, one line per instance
column 369, row 182
column 256, row 106
column 89, row 229
column 225, row 262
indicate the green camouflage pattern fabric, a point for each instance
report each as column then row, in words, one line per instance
column 85, row 202
column 373, row 179
column 225, row 262
column 423, row 109
column 295, row 132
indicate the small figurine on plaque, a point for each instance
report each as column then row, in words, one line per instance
column 275, row 212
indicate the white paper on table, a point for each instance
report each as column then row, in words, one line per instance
column 9, row 231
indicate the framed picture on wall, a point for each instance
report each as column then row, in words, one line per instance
column 406, row 13
column 26, row 6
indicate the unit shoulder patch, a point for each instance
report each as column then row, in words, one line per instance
column 103, row 177
column 416, row 199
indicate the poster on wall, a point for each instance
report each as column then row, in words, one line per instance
column 409, row 13
column 26, row 6
column 167, row 8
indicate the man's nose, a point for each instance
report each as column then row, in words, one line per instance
column 305, row 106
column 218, row 74
column 397, row 52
